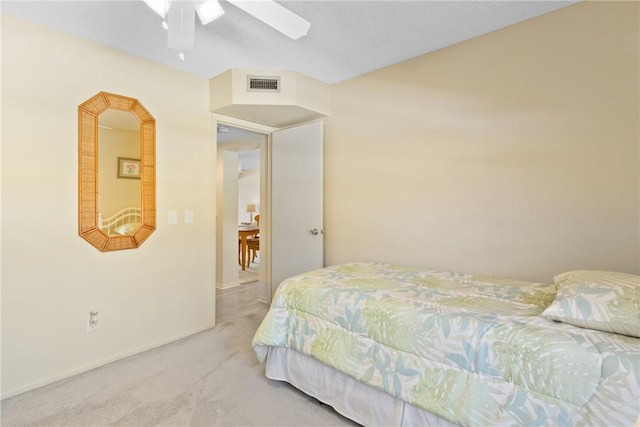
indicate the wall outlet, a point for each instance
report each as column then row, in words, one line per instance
column 93, row 321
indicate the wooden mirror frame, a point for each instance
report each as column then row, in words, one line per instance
column 88, row 226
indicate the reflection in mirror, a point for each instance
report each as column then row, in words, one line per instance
column 119, row 203
column 116, row 168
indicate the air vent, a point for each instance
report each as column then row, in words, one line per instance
column 263, row 84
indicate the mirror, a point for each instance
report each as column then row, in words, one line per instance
column 116, row 172
column 119, row 203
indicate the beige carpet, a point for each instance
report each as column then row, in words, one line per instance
column 209, row 379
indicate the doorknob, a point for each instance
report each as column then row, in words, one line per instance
column 315, row 231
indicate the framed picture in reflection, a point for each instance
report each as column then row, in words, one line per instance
column 128, row 168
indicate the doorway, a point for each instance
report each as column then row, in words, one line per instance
column 291, row 225
column 239, row 205
column 249, row 213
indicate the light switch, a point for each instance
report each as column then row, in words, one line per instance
column 188, row 217
column 172, row 217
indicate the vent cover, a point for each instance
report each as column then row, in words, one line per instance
column 263, row 84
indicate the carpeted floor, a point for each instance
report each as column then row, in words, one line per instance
column 209, row 379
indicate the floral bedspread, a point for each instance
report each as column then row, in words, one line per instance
column 471, row 349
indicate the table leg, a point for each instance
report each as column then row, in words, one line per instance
column 243, row 247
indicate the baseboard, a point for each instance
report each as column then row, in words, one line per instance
column 97, row 364
column 227, row 285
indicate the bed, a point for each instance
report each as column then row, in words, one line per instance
column 124, row 222
column 392, row 345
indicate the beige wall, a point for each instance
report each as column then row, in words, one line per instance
column 227, row 219
column 515, row 153
column 248, row 193
column 51, row 278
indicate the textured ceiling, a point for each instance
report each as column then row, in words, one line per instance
column 347, row 38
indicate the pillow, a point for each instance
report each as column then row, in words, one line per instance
column 127, row 229
column 601, row 300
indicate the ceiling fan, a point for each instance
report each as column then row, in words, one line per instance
column 179, row 18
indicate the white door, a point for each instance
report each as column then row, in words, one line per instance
column 297, row 242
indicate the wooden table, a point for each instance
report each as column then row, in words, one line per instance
column 243, row 233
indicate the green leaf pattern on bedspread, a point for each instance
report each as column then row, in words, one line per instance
column 472, row 349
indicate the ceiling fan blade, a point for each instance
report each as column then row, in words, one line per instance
column 276, row 16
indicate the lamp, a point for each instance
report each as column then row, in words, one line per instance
column 161, row 7
column 179, row 20
column 251, row 208
column 208, row 10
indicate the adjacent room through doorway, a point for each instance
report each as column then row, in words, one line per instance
column 238, row 208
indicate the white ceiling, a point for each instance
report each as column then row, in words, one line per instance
column 245, row 142
column 347, row 38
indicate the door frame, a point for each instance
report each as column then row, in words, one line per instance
column 265, row 200
column 265, row 203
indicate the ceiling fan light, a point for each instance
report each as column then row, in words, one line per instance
column 208, row 11
column 161, row 7
column 276, row 16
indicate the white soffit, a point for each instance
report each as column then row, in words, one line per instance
column 270, row 115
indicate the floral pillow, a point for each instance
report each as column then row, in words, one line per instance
column 601, row 300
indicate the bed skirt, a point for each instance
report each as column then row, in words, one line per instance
column 354, row 400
